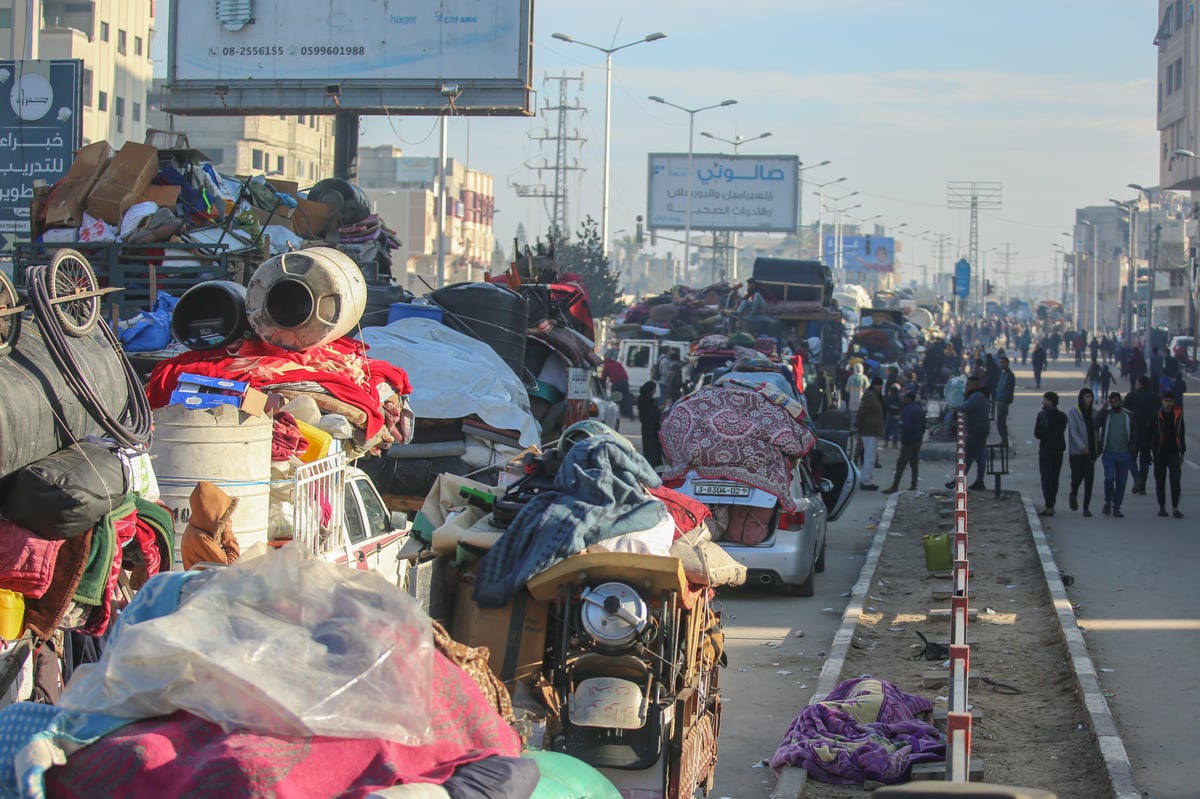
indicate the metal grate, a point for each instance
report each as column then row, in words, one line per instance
column 318, row 504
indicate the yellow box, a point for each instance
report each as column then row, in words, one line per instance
column 12, row 614
column 319, row 442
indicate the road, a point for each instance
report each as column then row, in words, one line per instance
column 1133, row 589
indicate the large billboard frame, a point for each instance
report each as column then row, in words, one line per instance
column 407, row 85
column 736, row 193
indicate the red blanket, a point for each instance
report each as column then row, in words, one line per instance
column 185, row 756
column 340, row 367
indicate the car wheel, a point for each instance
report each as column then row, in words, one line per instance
column 819, row 566
column 806, row 588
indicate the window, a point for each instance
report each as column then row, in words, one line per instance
column 1170, row 79
column 121, row 41
column 1178, row 14
column 256, row 159
column 279, row 164
column 300, row 119
column 137, row 45
column 86, row 88
column 1178, row 74
column 137, row 112
column 104, row 31
column 119, row 107
column 6, row 18
column 102, row 102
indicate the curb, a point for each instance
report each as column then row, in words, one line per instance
column 1112, row 749
column 792, row 780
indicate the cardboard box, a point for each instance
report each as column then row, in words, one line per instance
column 163, row 196
column 123, row 183
column 67, row 200
column 312, row 219
column 515, row 634
column 198, row 392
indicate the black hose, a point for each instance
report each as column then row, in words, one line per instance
column 133, row 427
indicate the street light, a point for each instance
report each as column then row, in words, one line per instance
column 1095, row 320
column 800, row 170
column 687, row 224
column 1186, row 153
column 820, row 218
column 1130, row 208
column 736, row 141
column 837, row 232
column 1152, row 255
column 608, row 51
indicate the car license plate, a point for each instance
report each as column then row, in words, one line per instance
column 720, row 490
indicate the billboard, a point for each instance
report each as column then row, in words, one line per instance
column 365, row 56
column 41, row 126
column 738, row 193
column 863, row 253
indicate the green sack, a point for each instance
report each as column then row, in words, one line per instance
column 566, row 777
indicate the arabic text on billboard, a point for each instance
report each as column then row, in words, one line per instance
column 742, row 193
column 40, row 128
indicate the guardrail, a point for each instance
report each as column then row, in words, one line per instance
column 958, row 717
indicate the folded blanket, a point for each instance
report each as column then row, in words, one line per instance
column 865, row 729
column 26, row 560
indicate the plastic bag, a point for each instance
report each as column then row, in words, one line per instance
column 282, row 644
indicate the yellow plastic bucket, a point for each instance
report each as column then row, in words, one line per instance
column 319, row 442
column 12, row 614
column 937, row 552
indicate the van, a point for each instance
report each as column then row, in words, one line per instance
column 639, row 355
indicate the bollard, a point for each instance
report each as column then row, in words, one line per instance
column 958, row 620
column 958, row 748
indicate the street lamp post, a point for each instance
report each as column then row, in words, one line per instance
column 736, row 142
column 1095, row 321
column 1130, row 208
column 838, row 261
column 608, row 52
column 820, row 192
column 687, row 222
column 1151, row 257
column 800, row 170
column 1074, row 280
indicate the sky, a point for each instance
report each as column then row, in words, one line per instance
column 1055, row 99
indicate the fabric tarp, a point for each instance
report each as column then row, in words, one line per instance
column 454, row 376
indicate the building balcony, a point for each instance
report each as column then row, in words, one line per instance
column 64, row 42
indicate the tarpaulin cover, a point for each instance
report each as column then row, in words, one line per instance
column 735, row 433
column 341, row 367
column 454, row 375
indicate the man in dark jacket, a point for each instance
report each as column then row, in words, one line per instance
column 1114, row 439
column 975, row 409
column 1006, row 385
column 1050, row 430
column 912, row 433
column 991, row 379
column 1169, row 441
column 1038, row 362
column 1143, row 403
column 868, row 423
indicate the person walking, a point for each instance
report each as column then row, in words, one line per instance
column 613, row 373
column 1050, row 430
column 912, row 433
column 856, row 385
column 1115, row 440
column 1006, row 385
column 975, row 409
column 1081, row 449
column 868, row 422
column 1093, row 378
column 1169, row 442
column 991, row 379
column 1143, row 403
column 651, row 417
column 893, row 402
column 1038, row 361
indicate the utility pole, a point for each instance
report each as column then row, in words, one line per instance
column 973, row 195
column 559, row 221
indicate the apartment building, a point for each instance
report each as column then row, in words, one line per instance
column 111, row 37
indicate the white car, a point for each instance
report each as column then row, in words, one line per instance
column 602, row 407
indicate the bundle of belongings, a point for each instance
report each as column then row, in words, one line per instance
column 81, row 532
column 865, row 729
column 683, row 313
column 271, row 642
column 367, row 397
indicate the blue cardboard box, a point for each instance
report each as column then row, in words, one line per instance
column 198, row 392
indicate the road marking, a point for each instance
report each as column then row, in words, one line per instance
column 1192, row 465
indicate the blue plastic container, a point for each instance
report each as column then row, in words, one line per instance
column 407, row 310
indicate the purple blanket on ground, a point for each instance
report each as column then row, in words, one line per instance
column 866, row 729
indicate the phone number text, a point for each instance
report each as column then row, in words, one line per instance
column 270, row 50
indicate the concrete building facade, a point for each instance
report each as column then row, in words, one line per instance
column 111, row 37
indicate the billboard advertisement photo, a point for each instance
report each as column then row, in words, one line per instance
column 863, row 253
column 735, row 193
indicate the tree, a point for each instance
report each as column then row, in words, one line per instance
column 585, row 257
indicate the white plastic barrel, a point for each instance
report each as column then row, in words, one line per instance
column 299, row 300
column 223, row 446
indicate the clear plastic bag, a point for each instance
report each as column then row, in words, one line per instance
column 284, row 644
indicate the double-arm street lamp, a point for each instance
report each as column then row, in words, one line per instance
column 837, row 231
column 1095, row 321
column 687, row 222
column 731, row 254
column 1152, row 255
column 736, row 141
column 1130, row 208
column 608, row 52
column 820, row 192
column 800, row 170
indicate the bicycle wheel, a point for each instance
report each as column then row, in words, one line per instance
column 71, row 275
column 10, row 323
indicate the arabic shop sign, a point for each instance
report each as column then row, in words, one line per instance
column 41, row 124
column 742, row 193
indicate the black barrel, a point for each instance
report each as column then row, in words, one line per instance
column 496, row 315
column 36, row 394
column 211, row 314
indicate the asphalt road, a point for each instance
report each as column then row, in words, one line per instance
column 1134, row 592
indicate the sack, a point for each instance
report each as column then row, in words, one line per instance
column 66, row 494
column 748, row 525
